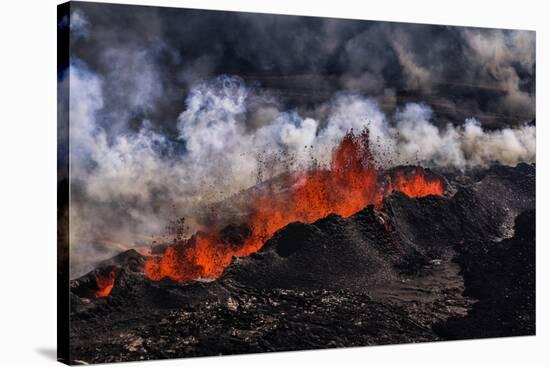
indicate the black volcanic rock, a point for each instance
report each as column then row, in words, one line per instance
column 430, row 225
column 502, row 276
column 425, row 269
column 131, row 260
column 248, row 321
column 332, row 253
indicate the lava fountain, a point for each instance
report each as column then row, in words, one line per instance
column 351, row 183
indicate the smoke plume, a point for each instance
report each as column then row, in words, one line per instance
column 165, row 122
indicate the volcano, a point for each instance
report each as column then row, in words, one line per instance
column 350, row 183
column 426, row 256
column 234, row 183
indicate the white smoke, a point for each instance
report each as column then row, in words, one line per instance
column 465, row 146
column 221, row 150
column 127, row 187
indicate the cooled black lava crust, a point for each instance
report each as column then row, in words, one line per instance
column 434, row 268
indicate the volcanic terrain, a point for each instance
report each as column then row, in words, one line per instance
column 438, row 267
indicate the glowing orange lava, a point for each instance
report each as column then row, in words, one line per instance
column 351, row 183
column 105, row 284
column 414, row 182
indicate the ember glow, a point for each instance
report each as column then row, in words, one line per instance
column 351, row 183
column 105, row 284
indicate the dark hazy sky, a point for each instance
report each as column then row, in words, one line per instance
column 460, row 72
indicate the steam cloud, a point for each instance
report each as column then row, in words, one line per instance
column 133, row 181
column 140, row 157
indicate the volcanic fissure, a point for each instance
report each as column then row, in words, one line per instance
column 351, row 183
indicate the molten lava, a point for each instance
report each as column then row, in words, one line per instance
column 351, row 183
column 105, row 284
column 414, row 182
